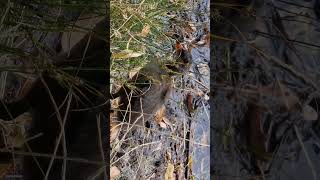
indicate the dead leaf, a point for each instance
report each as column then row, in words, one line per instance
column 190, row 27
column 169, row 172
column 125, row 54
column 160, row 114
column 115, row 103
column 161, row 119
column 114, row 126
column 114, row 172
column 201, row 43
column 189, row 103
column 116, row 86
column 309, row 113
column 85, row 21
column 15, row 130
column 133, row 72
column 167, row 122
column 190, row 164
column 145, row 31
column 179, row 47
column 163, row 125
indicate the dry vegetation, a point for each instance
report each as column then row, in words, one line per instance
column 266, row 112
column 33, row 35
column 150, row 137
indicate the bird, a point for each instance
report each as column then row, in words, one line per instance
column 152, row 87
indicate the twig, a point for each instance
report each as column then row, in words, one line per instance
column 101, row 144
column 44, row 155
column 61, row 122
column 313, row 171
column 133, row 149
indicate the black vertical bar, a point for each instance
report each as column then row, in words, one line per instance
column 107, row 128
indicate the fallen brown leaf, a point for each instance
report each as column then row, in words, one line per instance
column 15, row 130
column 115, row 103
column 114, row 126
column 145, row 31
column 133, row 72
column 160, row 114
column 189, row 103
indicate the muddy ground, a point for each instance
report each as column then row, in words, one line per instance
column 265, row 84
column 182, row 143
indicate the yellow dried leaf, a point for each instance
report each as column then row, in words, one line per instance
column 125, row 54
column 190, row 162
column 145, row 31
column 169, row 172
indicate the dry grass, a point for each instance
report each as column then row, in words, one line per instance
column 29, row 31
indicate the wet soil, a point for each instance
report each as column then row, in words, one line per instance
column 184, row 141
column 265, row 73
